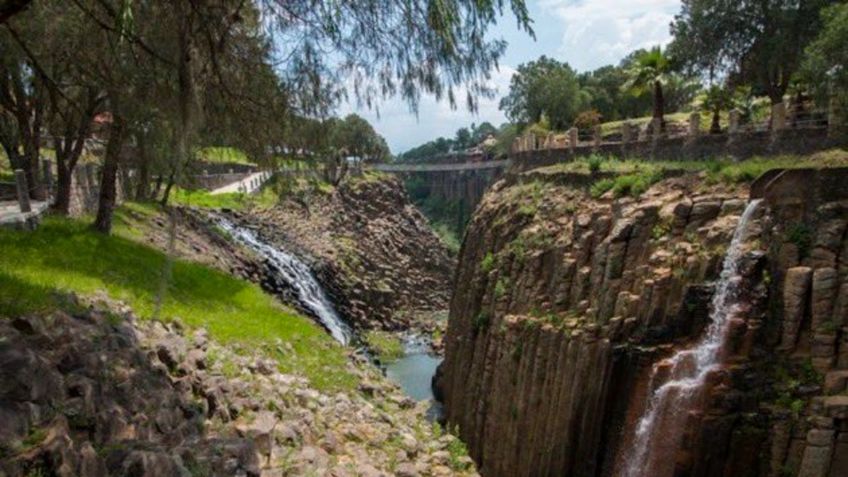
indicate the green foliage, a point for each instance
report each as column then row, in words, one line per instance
column 223, row 155
column 758, row 43
column 481, row 321
column 501, row 287
column 386, row 345
column 488, row 263
column 458, row 452
column 601, row 187
column 628, row 184
column 544, row 88
column 451, row 215
column 66, row 256
column 595, row 162
column 661, row 229
column 825, row 66
column 587, row 120
column 801, row 235
column 448, row 237
column 463, row 139
column 650, row 71
column 264, row 198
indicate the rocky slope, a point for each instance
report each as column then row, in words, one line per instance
column 98, row 392
column 371, row 249
column 564, row 303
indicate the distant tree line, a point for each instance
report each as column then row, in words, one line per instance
column 464, row 138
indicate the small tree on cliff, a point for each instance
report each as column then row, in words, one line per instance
column 650, row 71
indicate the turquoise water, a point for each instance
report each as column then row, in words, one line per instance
column 414, row 373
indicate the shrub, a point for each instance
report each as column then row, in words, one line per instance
column 481, row 321
column 801, row 235
column 601, row 187
column 488, row 263
column 595, row 162
column 588, row 119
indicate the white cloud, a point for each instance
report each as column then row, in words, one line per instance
column 600, row 32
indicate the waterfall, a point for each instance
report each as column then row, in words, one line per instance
column 298, row 275
column 659, row 430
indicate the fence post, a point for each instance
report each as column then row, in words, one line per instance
column 47, row 170
column 694, row 125
column 778, row 117
column 597, row 136
column 733, row 121
column 23, row 190
column 656, row 128
column 626, row 133
column 834, row 120
column 573, row 137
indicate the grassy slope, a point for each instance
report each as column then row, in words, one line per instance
column 65, row 255
column 223, row 155
column 634, row 176
column 266, row 197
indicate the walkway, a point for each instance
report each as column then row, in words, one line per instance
column 248, row 185
column 462, row 166
column 11, row 215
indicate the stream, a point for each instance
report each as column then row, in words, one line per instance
column 414, row 373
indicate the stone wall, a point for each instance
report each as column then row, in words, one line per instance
column 564, row 303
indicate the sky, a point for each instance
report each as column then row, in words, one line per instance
column 585, row 33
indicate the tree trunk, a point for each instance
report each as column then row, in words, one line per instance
column 168, row 188
column 63, row 188
column 157, row 187
column 715, row 127
column 108, row 179
column 659, row 104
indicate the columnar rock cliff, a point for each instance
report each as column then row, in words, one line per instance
column 372, row 250
column 564, row 303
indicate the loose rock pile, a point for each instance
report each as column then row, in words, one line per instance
column 98, row 392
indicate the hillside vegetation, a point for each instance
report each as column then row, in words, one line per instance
column 65, row 255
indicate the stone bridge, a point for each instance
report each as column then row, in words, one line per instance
column 460, row 184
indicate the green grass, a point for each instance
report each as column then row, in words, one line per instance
column 614, row 127
column 265, row 198
column 65, row 255
column 223, row 155
column 386, row 345
column 448, row 237
column 635, row 176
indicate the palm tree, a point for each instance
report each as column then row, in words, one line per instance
column 650, row 70
column 715, row 99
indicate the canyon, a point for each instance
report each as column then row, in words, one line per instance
column 575, row 313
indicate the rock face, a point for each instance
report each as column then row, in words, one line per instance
column 98, row 393
column 372, row 250
column 564, row 303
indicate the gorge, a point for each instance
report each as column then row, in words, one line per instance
column 641, row 334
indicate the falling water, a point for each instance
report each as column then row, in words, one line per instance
column 659, row 430
column 298, row 276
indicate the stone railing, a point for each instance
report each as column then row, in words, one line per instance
column 779, row 136
column 421, row 167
